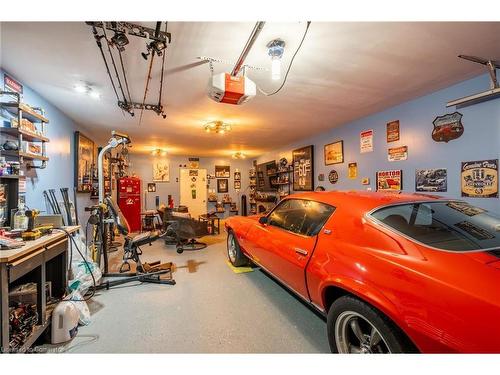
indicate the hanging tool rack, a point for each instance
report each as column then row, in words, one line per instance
column 157, row 45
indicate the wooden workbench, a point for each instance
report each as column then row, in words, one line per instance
column 41, row 260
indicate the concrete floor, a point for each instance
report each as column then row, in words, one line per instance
column 210, row 310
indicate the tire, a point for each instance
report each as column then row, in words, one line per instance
column 347, row 314
column 235, row 255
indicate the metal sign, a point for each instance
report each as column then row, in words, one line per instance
column 397, row 153
column 393, row 131
column 333, row 177
column 10, row 84
column 366, row 141
column 480, row 179
column 447, row 127
column 390, row 180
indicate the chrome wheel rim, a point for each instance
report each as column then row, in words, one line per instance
column 231, row 248
column 355, row 334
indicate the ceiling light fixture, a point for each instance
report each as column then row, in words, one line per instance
column 159, row 152
column 85, row 88
column 94, row 95
column 276, row 48
column 81, row 88
column 218, row 127
column 239, row 155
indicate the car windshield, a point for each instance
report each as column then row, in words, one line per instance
column 448, row 225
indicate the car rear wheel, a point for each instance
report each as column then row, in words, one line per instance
column 234, row 253
column 354, row 327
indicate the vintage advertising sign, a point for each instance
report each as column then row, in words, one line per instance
column 366, row 141
column 393, row 131
column 303, row 169
column 10, row 84
column 480, row 179
column 352, row 170
column 447, row 127
column 431, row 180
column 390, row 180
column 397, row 153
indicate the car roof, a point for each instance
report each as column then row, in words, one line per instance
column 361, row 200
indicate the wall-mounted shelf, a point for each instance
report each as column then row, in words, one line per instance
column 13, row 177
column 27, row 112
column 27, row 136
column 34, row 115
column 25, row 155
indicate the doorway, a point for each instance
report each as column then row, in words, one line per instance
column 193, row 193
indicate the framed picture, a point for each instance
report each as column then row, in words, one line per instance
column 151, row 187
column 161, row 171
column 194, row 163
column 431, row 180
column 480, row 179
column 222, row 185
column 222, row 171
column 334, row 153
column 84, row 162
column 237, row 184
column 237, row 175
column 393, row 131
column 303, row 168
column 352, row 170
column 390, row 180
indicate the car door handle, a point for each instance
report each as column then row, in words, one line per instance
column 300, row 251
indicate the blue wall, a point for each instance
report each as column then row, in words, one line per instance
column 481, row 140
column 60, row 150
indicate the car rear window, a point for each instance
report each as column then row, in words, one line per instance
column 447, row 225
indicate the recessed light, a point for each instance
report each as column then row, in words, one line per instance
column 94, row 94
column 81, row 88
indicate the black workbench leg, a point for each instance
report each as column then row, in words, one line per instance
column 4, row 308
column 65, row 266
column 41, row 303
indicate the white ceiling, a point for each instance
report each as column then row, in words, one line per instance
column 344, row 71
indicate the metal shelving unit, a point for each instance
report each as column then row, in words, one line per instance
column 33, row 114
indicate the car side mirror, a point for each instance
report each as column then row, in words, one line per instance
column 263, row 220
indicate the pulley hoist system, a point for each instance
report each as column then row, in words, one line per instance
column 158, row 41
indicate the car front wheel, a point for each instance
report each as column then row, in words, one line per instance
column 354, row 327
column 234, row 253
